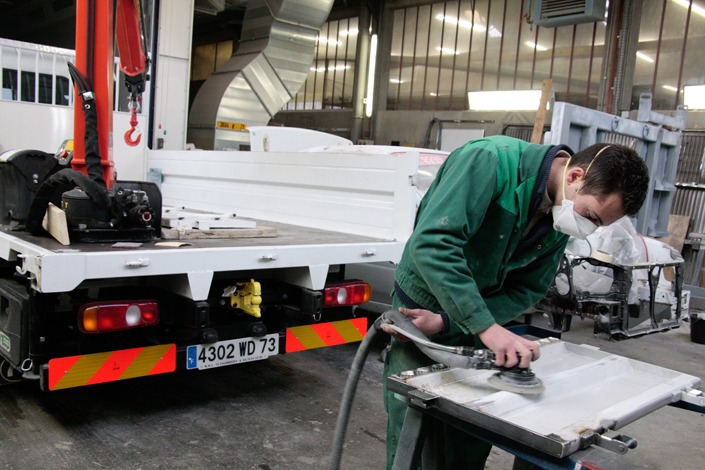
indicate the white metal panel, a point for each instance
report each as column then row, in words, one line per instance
column 586, row 391
column 175, row 25
column 62, row 272
column 290, row 139
column 369, row 195
column 172, row 79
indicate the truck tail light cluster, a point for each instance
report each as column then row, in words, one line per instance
column 346, row 294
column 104, row 317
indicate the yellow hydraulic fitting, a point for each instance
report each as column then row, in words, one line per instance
column 247, row 296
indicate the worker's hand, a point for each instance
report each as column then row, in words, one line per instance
column 425, row 320
column 509, row 349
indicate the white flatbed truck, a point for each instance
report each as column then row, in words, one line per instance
column 88, row 313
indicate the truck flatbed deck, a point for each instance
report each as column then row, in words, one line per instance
column 58, row 268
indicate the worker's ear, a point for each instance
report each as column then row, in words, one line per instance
column 575, row 173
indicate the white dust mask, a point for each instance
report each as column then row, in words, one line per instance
column 566, row 220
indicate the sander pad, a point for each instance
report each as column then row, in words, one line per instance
column 517, row 380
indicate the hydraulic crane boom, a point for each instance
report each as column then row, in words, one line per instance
column 96, row 27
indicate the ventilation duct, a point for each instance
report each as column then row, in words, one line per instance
column 552, row 13
column 271, row 63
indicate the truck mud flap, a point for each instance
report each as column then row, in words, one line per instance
column 321, row 335
column 90, row 369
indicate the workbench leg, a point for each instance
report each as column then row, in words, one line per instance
column 411, row 440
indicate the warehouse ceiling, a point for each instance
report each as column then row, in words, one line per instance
column 52, row 22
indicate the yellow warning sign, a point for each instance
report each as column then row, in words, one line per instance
column 235, row 126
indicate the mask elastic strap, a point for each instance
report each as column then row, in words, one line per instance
column 586, row 170
column 565, row 172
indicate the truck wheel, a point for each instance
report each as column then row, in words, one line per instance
column 8, row 374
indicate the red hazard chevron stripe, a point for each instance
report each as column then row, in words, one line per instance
column 320, row 335
column 89, row 369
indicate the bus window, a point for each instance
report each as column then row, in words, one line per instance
column 28, row 79
column 9, row 84
column 44, row 88
column 62, row 91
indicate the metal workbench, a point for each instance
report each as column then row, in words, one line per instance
column 587, row 394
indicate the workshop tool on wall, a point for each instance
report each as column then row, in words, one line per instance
column 516, row 380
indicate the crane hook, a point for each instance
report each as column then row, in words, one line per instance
column 133, row 126
column 128, row 137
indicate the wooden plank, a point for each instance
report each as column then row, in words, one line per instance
column 537, row 134
column 195, row 234
column 677, row 231
column 55, row 223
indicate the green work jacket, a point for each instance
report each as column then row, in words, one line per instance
column 462, row 256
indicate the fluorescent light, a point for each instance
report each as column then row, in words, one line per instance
column 669, row 87
column 494, row 32
column 695, row 9
column 538, row 47
column 433, row 93
column 462, row 23
column 371, row 76
column 396, row 80
column 330, row 69
column 645, row 57
column 447, row 50
column 694, row 96
column 349, row 32
column 511, row 100
column 328, row 41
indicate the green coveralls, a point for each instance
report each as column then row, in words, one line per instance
column 464, row 258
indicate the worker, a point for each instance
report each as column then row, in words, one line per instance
column 488, row 237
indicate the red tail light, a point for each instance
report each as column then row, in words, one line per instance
column 103, row 317
column 349, row 293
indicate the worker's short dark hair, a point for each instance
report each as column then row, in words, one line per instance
column 617, row 168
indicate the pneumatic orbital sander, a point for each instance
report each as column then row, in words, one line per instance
column 511, row 379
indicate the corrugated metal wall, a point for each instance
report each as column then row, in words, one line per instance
column 690, row 180
column 690, row 201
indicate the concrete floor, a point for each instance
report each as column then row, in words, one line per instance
column 280, row 414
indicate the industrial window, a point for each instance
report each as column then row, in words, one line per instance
column 442, row 51
column 330, row 80
column 669, row 52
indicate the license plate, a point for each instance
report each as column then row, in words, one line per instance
column 234, row 351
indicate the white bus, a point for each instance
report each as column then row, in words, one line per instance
column 36, row 104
